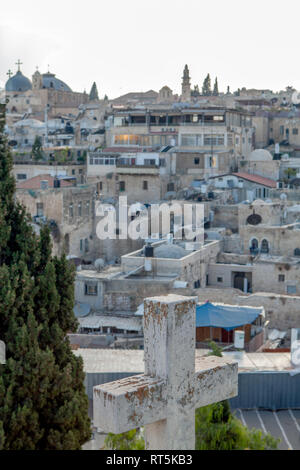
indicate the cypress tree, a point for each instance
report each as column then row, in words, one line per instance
column 216, row 88
column 37, row 149
column 206, row 88
column 43, row 404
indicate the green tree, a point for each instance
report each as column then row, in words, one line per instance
column 37, row 149
column 206, row 88
column 43, row 404
column 131, row 440
column 218, row 429
column 216, row 88
column 195, row 92
column 290, row 173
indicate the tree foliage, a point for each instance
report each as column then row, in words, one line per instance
column 37, row 149
column 43, row 404
column 216, row 88
column 206, row 88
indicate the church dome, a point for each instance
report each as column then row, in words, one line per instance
column 18, row 83
column 260, row 155
column 50, row 81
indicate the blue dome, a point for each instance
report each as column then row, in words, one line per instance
column 18, row 83
column 50, row 81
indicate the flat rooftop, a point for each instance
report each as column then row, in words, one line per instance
column 120, row 360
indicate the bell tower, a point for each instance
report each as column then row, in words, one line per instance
column 186, row 85
column 37, row 80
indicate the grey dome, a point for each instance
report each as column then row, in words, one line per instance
column 18, row 83
column 50, row 81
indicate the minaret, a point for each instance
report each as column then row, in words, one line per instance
column 186, row 85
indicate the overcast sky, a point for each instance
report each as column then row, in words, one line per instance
column 137, row 45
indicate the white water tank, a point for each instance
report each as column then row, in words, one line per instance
column 239, row 339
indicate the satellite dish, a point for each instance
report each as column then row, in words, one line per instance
column 296, row 97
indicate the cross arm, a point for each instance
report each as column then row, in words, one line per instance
column 216, row 379
column 129, row 403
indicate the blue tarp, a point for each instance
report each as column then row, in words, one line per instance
column 225, row 316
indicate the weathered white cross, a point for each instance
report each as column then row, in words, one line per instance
column 164, row 399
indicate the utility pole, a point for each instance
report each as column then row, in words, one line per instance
column 47, row 107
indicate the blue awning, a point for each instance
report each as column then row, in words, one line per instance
column 228, row 317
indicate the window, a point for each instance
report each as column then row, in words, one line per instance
column 79, row 209
column 219, row 279
column 87, row 207
column 145, row 185
column 297, row 252
column 264, row 246
column 291, row 290
column 71, row 212
column 281, row 278
column 21, row 176
column 127, row 139
column 295, row 131
column 73, row 172
column 40, row 209
column 91, row 288
column 229, row 139
column 122, row 185
column 189, row 140
column 86, row 245
column 281, row 130
column 170, row 187
column 254, row 246
column 213, row 140
column 162, row 162
column 197, row 284
column 196, row 161
column 44, row 184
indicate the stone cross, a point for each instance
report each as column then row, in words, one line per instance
column 19, row 63
column 164, row 399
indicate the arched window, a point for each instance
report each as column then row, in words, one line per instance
column 264, row 246
column 254, row 246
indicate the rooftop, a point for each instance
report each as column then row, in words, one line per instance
column 35, row 182
column 114, row 360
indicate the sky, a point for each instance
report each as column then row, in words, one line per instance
column 138, row 45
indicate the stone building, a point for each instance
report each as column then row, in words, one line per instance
column 32, row 97
column 68, row 209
